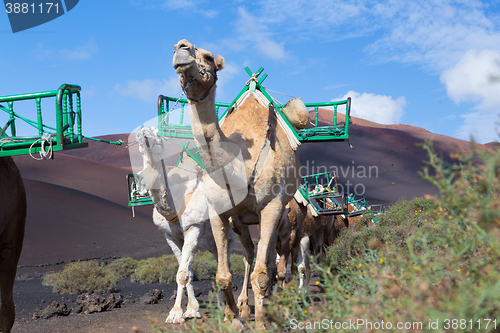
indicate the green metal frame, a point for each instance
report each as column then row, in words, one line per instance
column 171, row 131
column 336, row 132
column 67, row 117
column 134, row 200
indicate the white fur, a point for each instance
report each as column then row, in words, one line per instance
column 183, row 235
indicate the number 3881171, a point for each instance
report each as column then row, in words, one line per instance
column 25, row 8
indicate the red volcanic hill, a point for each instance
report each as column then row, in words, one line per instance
column 77, row 203
column 77, row 209
column 386, row 159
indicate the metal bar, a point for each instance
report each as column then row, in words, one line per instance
column 21, row 97
column 12, row 118
column 327, row 103
column 262, row 78
column 182, row 113
column 71, row 118
column 79, row 117
column 39, row 115
column 249, row 72
column 63, row 89
column 6, row 126
column 335, row 115
column 316, row 116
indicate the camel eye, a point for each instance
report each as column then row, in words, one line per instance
column 208, row 57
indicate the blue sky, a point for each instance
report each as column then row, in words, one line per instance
column 431, row 63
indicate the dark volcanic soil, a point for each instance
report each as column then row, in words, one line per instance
column 30, row 295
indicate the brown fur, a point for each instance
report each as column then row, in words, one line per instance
column 243, row 131
column 12, row 221
column 298, row 225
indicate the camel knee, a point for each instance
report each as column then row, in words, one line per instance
column 224, row 283
column 183, row 277
column 260, row 282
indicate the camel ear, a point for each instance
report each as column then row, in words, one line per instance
column 219, row 62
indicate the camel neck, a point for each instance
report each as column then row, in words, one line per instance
column 208, row 135
column 204, row 122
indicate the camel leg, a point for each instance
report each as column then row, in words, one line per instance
column 7, row 277
column 295, row 257
column 284, row 252
column 175, row 315
column 9, row 258
column 269, row 217
column 185, row 274
column 303, row 262
column 222, row 235
column 243, row 233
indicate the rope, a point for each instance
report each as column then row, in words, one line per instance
column 44, row 155
column 279, row 93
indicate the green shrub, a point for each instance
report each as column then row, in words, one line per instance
column 237, row 266
column 204, row 266
column 157, row 270
column 124, row 267
column 428, row 259
column 82, row 277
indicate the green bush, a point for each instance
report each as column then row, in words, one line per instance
column 82, row 277
column 204, row 266
column 157, row 270
column 124, row 267
column 428, row 260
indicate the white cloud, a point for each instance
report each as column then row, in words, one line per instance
column 84, row 52
column 148, row 90
column 475, row 79
column 471, row 79
column 435, row 33
column 252, row 30
column 378, row 108
column 193, row 6
column 480, row 126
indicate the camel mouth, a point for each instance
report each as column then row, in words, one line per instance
column 182, row 60
column 179, row 68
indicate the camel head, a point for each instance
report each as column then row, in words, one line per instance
column 197, row 69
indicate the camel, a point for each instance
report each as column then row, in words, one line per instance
column 299, row 230
column 181, row 211
column 251, row 171
column 12, row 222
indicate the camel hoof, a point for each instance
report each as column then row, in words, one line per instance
column 191, row 313
column 174, row 317
column 237, row 324
column 259, row 325
column 245, row 312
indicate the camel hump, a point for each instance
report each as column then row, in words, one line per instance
column 296, row 112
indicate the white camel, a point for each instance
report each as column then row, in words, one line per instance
column 181, row 211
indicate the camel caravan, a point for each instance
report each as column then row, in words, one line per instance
column 242, row 171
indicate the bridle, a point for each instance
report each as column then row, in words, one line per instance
column 203, row 71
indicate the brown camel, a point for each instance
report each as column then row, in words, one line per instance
column 243, row 179
column 299, row 230
column 12, row 220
